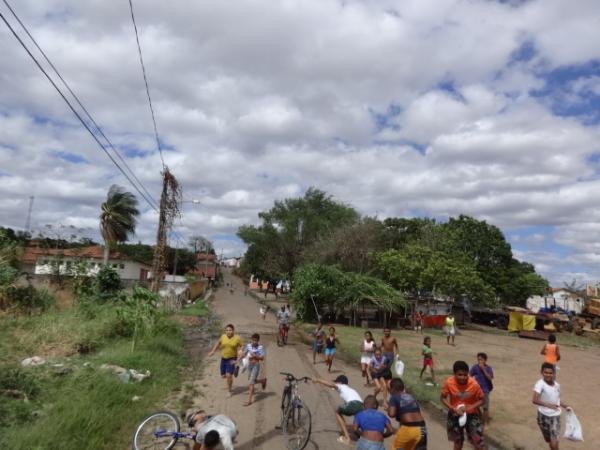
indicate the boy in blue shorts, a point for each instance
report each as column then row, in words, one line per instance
column 372, row 426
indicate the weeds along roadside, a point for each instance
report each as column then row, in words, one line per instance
column 69, row 403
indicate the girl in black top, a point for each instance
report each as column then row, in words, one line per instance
column 330, row 343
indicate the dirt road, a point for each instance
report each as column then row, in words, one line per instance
column 257, row 423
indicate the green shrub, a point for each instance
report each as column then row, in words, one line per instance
column 16, row 378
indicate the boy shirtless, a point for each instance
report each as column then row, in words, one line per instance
column 389, row 345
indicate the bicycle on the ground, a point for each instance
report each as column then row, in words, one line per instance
column 296, row 422
column 159, row 431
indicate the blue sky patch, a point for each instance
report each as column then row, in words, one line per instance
column 133, row 152
column 565, row 98
column 69, row 157
column 524, row 53
column 385, row 120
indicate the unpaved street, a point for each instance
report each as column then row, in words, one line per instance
column 257, row 423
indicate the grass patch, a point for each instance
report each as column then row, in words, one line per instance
column 198, row 308
column 77, row 405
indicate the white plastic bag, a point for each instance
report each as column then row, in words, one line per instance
column 245, row 362
column 573, row 430
column 399, row 366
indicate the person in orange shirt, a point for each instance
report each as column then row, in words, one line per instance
column 461, row 394
column 551, row 351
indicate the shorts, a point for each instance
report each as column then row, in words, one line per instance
column 318, row 347
column 413, row 437
column 227, row 366
column 367, row 444
column 427, row 362
column 329, row 351
column 365, row 358
column 486, row 402
column 473, row 428
column 450, row 331
column 549, row 426
column 253, row 372
column 385, row 374
column 351, row 408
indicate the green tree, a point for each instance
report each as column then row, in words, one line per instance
column 290, row 227
column 118, row 217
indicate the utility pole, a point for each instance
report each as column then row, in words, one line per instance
column 28, row 222
column 169, row 209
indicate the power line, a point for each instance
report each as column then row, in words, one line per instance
column 75, row 111
column 89, row 116
column 137, row 39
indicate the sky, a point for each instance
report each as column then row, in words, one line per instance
column 412, row 108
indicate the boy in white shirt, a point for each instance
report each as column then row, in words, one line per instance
column 546, row 395
column 352, row 405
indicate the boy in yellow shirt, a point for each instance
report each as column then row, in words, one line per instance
column 230, row 344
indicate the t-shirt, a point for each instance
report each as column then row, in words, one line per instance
column 283, row 317
column 548, row 394
column 347, row 393
column 255, row 351
column 477, row 373
column 450, row 322
column 427, row 352
column 229, row 346
column 371, row 420
column 379, row 364
column 319, row 334
column 466, row 394
column 551, row 354
column 404, row 403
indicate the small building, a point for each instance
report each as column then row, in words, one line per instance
column 560, row 299
column 206, row 265
column 66, row 262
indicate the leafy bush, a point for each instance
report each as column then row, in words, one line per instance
column 106, row 284
column 139, row 313
column 29, row 299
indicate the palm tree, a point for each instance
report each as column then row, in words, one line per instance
column 118, row 217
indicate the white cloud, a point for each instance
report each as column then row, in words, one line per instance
column 257, row 101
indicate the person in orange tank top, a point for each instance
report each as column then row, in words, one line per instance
column 551, row 351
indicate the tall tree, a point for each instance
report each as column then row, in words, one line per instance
column 118, row 217
column 290, row 227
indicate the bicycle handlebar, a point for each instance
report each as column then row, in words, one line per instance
column 291, row 377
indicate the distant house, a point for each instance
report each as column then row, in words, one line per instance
column 561, row 298
column 49, row 261
column 231, row 262
column 206, row 265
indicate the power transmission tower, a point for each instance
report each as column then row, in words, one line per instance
column 28, row 222
column 170, row 199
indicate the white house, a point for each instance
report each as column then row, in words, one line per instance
column 560, row 298
column 90, row 259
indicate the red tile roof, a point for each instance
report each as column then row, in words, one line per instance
column 31, row 254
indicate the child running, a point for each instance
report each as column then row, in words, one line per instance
column 257, row 355
column 412, row 434
column 372, row 426
column 330, row 343
column 389, row 345
column 462, row 395
column 367, row 350
column 352, row 403
column 230, row 344
column 319, row 335
column 551, row 351
column 379, row 366
column 427, row 353
column 546, row 395
column 484, row 375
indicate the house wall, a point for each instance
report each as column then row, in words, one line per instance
column 127, row 270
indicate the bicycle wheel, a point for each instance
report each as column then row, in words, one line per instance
column 285, row 402
column 155, row 432
column 297, row 426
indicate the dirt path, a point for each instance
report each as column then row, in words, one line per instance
column 257, row 423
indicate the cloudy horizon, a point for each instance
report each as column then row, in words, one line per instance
column 417, row 109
